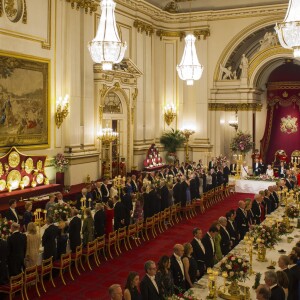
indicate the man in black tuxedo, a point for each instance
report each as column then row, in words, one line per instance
column 225, row 243
column 283, row 264
column 262, row 166
column 241, row 219
column 177, row 268
column 277, row 292
column 193, row 187
column 119, row 213
column 256, row 167
column 127, row 202
column 282, row 169
column 212, row 164
column 99, row 220
column 97, row 194
column 275, row 196
column 164, row 195
column 3, row 262
column 134, row 185
column 154, row 201
column 74, row 230
column 288, row 183
column 105, row 191
column 226, row 173
column 12, row 213
column 16, row 245
column 198, row 250
column 177, row 191
column 294, row 278
column 146, row 200
column 49, row 239
column 231, row 227
column 256, row 209
column 149, row 286
column 208, row 242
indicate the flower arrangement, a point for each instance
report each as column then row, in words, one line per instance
column 292, row 212
column 5, row 228
column 265, row 235
column 221, row 159
column 235, row 266
column 56, row 210
column 242, row 142
column 189, row 295
column 282, row 228
column 60, row 162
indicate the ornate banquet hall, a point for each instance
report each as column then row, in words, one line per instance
column 88, row 88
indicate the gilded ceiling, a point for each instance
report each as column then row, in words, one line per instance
column 176, row 6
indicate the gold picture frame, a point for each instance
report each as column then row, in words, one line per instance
column 24, row 101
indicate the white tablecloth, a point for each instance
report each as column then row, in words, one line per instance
column 252, row 186
column 261, row 267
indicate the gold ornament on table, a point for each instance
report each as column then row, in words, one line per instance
column 6, row 166
column 119, row 183
column 29, row 165
column 83, row 203
column 39, row 166
column 8, row 186
column 2, row 185
column 26, row 180
column 13, row 159
column 261, row 251
column 212, row 283
column 33, row 183
column 22, row 185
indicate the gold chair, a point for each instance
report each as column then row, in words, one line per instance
column 101, row 246
column 149, row 225
column 46, row 269
column 139, row 230
column 15, row 285
column 156, row 224
column 173, row 215
column 31, row 277
column 90, row 250
column 178, row 211
column 132, row 233
column 62, row 264
column 168, row 217
column 112, row 240
column 162, row 221
column 122, row 236
column 77, row 257
column 200, row 203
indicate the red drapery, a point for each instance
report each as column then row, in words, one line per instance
column 282, row 130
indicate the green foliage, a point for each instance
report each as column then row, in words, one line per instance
column 257, row 280
column 171, row 140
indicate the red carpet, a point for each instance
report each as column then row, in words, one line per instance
column 94, row 284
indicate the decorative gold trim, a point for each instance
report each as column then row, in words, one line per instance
column 24, row 18
column 143, row 27
column 234, row 106
column 205, row 32
column 13, row 159
column 1, row 8
column 164, row 33
column 134, row 98
column 88, row 5
column 288, row 85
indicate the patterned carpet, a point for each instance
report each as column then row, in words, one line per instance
column 94, row 284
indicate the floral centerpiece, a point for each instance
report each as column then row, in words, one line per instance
column 237, row 267
column 242, row 142
column 292, row 212
column 221, row 159
column 282, row 228
column 5, row 228
column 266, row 235
column 58, row 209
column 60, row 162
column 189, row 295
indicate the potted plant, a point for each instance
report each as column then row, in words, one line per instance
column 172, row 140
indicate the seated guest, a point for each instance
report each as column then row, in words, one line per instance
column 149, row 286
column 49, row 239
column 62, row 237
column 27, row 217
column 3, row 261
column 294, row 278
column 97, row 194
column 131, row 291
column 59, row 197
column 164, row 277
column 225, row 236
column 275, row 195
column 262, row 166
column 282, row 169
column 270, row 171
column 87, row 228
column 74, row 230
column 256, row 209
column 191, row 272
column 283, row 281
column 231, row 227
column 209, row 245
column 33, row 245
column 244, row 170
column 134, row 185
column 272, row 199
column 198, row 250
column 16, row 244
column 177, row 268
column 99, row 220
column 263, row 292
column 12, row 214
column 277, row 292
column 256, row 167
column 50, row 203
column 241, row 219
column 115, row 292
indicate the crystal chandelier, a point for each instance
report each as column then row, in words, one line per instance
column 107, row 135
column 289, row 30
column 189, row 68
column 106, row 47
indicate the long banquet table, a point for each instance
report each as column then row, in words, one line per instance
column 252, row 186
column 201, row 290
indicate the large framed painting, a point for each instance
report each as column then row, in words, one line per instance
column 24, row 101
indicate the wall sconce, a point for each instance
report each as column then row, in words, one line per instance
column 107, row 135
column 234, row 123
column 170, row 113
column 62, row 110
